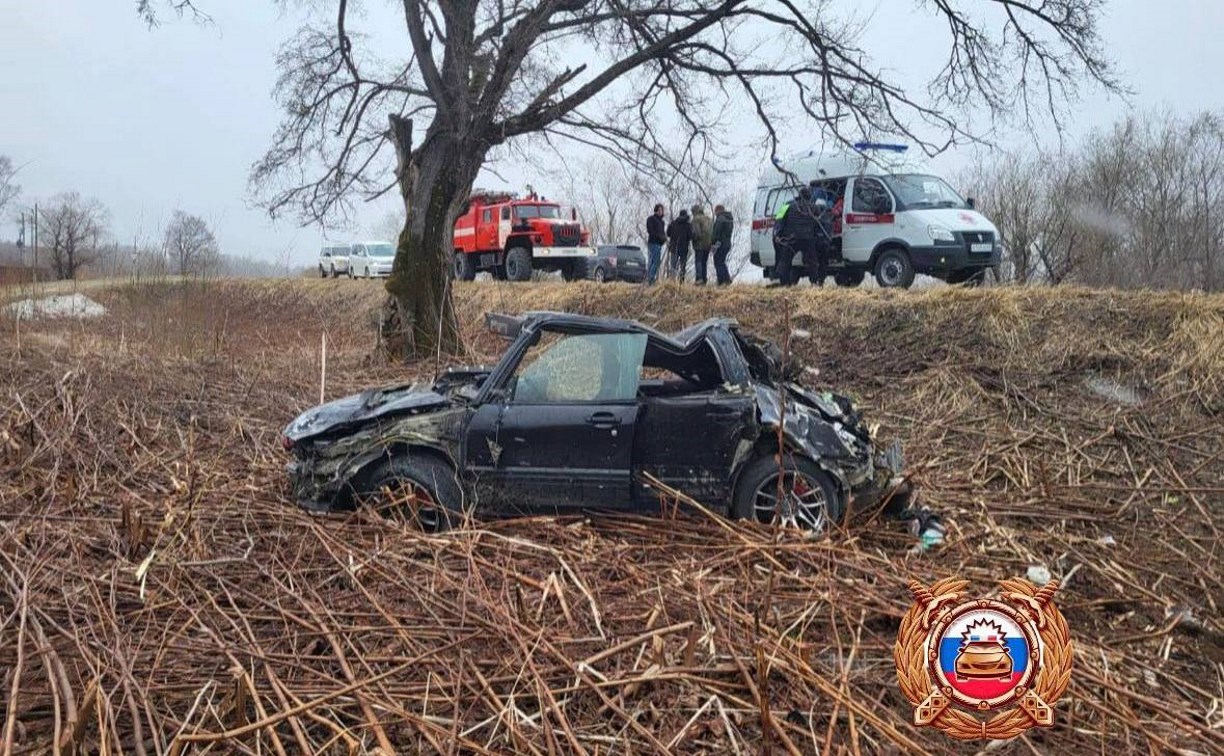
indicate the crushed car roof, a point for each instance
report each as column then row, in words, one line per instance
column 510, row 325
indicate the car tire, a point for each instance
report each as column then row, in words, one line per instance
column 518, row 264
column 322, row 273
column 333, row 272
column 817, row 502
column 465, row 267
column 414, row 488
column 894, row 269
column 850, row 278
column 600, row 275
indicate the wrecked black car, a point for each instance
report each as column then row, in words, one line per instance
column 578, row 414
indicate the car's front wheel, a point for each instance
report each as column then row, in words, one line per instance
column 600, row 275
column 322, row 272
column 418, row 489
column 794, row 492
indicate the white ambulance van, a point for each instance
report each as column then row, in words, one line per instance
column 894, row 218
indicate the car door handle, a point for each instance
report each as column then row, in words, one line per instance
column 603, row 420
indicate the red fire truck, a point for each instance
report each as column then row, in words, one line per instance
column 510, row 237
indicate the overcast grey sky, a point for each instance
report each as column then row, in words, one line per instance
column 149, row 121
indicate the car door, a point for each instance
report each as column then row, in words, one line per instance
column 870, row 218
column 359, row 261
column 695, row 418
column 561, row 435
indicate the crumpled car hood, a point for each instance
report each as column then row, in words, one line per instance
column 359, row 409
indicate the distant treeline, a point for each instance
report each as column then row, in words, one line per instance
column 1140, row 205
column 118, row 260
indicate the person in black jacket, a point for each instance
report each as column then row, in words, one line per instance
column 656, row 237
column 723, row 226
column 823, row 248
column 801, row 226
column 680, row 239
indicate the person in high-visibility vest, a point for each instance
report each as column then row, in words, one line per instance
column 784, row 249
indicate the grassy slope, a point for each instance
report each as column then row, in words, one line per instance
column 170, row 408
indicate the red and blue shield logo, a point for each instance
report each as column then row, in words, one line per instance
column 984, row 655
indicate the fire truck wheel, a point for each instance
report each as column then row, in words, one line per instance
column 518, row 264
column 499, row 272
column 465, row 267
column 568, row 272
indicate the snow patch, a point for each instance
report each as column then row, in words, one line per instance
column 69, row 306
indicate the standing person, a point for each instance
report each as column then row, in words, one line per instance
column 703, row 237
column 680, row 238
column 802, row 227
column 818, row 269
column 723, row 226
column 784, row 246
column 656, row 237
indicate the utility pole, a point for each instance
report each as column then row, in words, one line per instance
column 21, row 241
column 35, row 241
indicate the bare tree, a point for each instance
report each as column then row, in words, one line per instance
column 190, row 245
column 8, row 187
column 72, row 228
column 388, row 226
column 627, row 77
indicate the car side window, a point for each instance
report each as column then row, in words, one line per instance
column 870, row 196
column 486, row 216
column 505, row 213
column 601, row 367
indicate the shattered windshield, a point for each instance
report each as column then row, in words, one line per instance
column 588, row 368
column 916, row 190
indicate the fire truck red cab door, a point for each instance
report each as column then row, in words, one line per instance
column 486, row 229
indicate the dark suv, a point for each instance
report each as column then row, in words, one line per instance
column 578, row 414
column 622, row 262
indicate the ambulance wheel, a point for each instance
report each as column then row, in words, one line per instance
column 518, row 264
column 465, row 267
column 894, row 269
column 850, row 278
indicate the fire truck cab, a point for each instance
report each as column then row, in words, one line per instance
column 510, row 237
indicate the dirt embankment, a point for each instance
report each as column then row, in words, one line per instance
column 158, row 585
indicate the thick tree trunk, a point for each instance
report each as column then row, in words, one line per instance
column 435, row 180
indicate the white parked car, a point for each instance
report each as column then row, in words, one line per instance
column 894, row 218
column 334, row 260
column 371, row 260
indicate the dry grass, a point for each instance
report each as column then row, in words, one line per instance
column 159, row 593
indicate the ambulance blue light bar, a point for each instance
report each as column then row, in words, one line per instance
column 864, row 146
